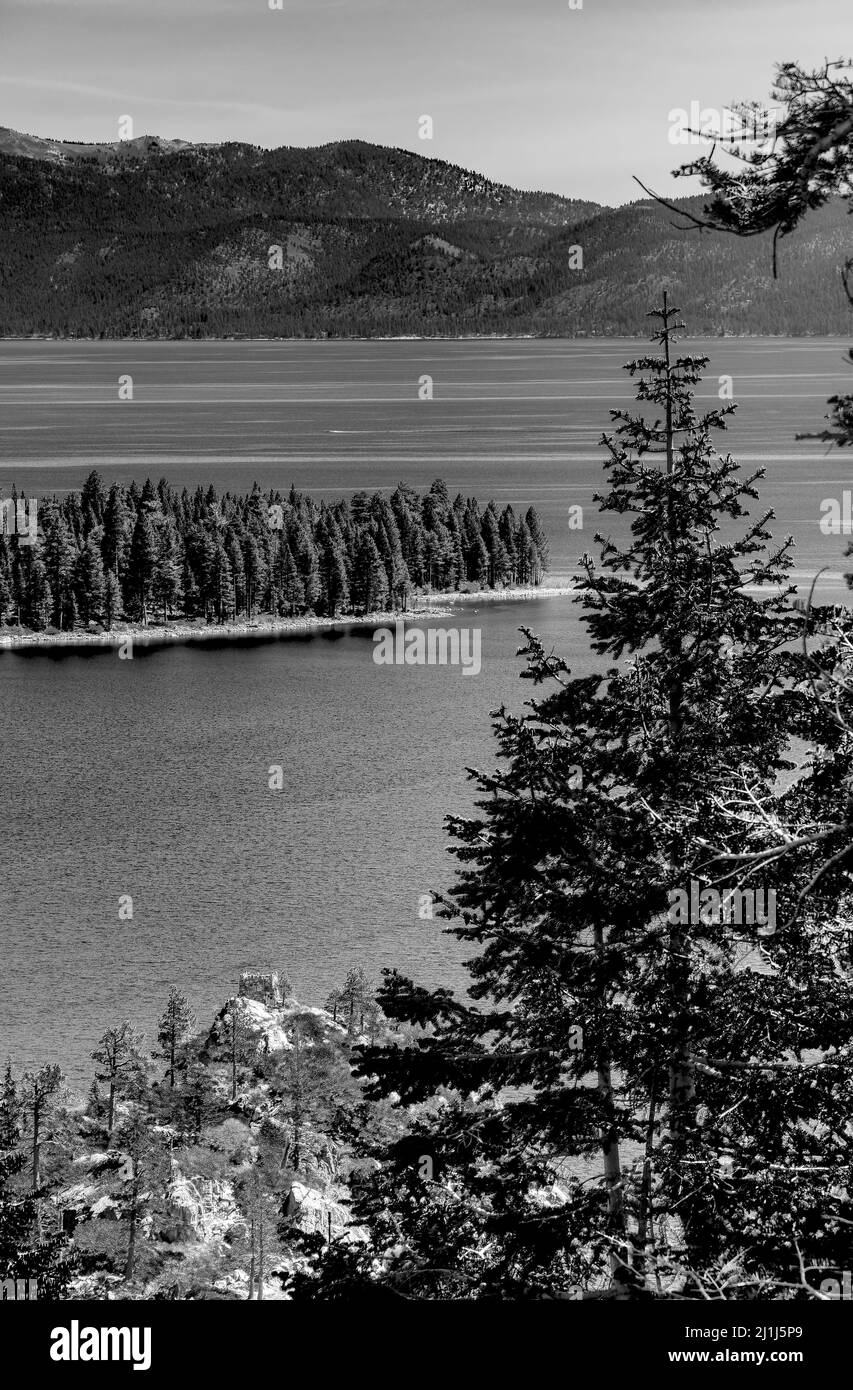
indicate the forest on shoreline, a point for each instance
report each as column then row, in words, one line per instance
column 91, row 559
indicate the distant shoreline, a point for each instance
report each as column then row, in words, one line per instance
column 638, row 337
column 434, row 606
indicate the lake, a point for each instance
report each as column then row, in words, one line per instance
column 149, row 777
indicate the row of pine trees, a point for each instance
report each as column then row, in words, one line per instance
column 152, row 552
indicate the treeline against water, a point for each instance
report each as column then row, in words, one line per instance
column 140, row 553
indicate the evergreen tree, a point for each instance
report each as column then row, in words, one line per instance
column 234, row 552
column 166, row 575
column 34, row 594
column 117, row 532
column 141, row 565
column 112, row 598
column 175, row 1024
column 23, row 1254
column 93, row 497
column 89, row 584
column 292, row 588
column 37, row 1092
column 10, row 1111
column 256, row 574
column 498, row 559
column 308, row 561
column 797, row 163
column 335, row 578
column 355, row 998
column 603, row 1014
column 223, row 587
column 528, row 569
column 213, row 558
column 507, row 533
column 5, row 583
column 148, row 1168
column 118, row 1053
column 237, row 1040
column 369, row 585
column 59, row 558
column 537, row 535
column 198, row 1098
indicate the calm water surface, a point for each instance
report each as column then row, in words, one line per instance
column 150, row 778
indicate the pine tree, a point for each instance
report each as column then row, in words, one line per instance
column 537, row 535
column 34, row 594
column 507, row 532
column 117, row 532
column 118, row 1052
column 214, row 558
column 112, row 598
column 256, row 573
column 59, row 557
column 369, row 585
column 93, row 497
column 799, row 160
column 498, row 559
column 148, row 1166
column 37, row 1092
column 141, row 564
column 175, row 1024
column 355, row 998
column 335, row 578
column 292, row 588
column 198, row 1098
column 10, row 1111
column 237, row 1039
column 23, row 1254
column 89, row 583
column 166, row 575
column 308, row 561
column 5, row 582
column 223, row 587
column 602, row 1019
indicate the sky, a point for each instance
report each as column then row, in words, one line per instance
column 531, row 93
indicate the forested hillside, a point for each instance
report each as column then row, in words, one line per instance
column 153, row 552
column 153, row 238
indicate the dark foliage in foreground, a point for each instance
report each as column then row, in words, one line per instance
column 637, row 1097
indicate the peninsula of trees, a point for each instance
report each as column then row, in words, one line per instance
column 129, row 553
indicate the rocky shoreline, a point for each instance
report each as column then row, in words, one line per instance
column 434, row 606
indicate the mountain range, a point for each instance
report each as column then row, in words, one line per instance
column 160, row 238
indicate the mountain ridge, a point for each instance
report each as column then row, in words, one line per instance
column 148, row 238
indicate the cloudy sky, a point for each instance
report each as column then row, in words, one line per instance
column 529, row 92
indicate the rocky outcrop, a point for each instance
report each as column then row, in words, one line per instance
column 199, row 1210
column 269, row 1026
column 262, row 986
column 315, row 1211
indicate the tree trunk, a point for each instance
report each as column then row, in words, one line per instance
column 252, row 1260
column 297, row 1100
column 131, row 1242
column 645, row 1216
column 260, row 1244
column 682, row 1089
column 36, row 1166
column 610, row 1143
